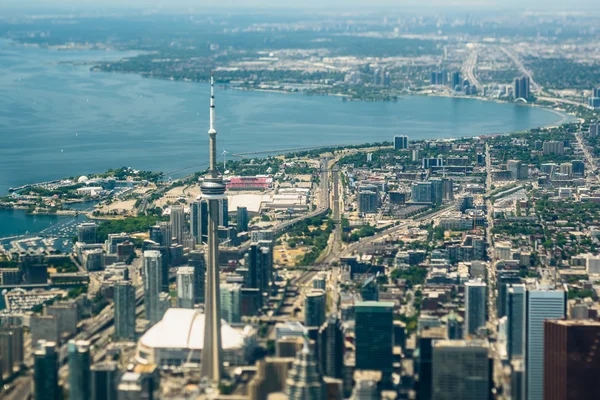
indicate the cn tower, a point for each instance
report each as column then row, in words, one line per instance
column 213, row 190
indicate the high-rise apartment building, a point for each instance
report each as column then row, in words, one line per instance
column 78, row 352
column 260, row 265
column 197, row 261
column 177, row 220
column 461, row 370
column 152, row 285
column 374, row 336
column 571, row 359
column 186, row 287
column 199, row 220
column 421, row 192
column 516, row 301
column 314, row 308
column 45, row 372
column 475, row 306
column 104, row 380
column 124, row 296
column 231, row 303
column 330, row 342
column 544, row 301
column 400, row 142
column 242, row 219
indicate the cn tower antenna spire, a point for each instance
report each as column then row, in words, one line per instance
column 212, row 132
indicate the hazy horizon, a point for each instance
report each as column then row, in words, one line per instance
column 573, row 6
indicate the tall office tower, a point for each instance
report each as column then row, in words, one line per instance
column 260, row 265
column 79, row 369
column 242, row 219
column 224, row 212
column 456, row 80
column 45, row 372
column 304, row 381
column 231, row 302
column 330, row 342
column 400, row 142
column 369, row 290
column 461, row 370
column 199, row 220
column 186, row 287
column 504, row 279
column 571, row 359
column 517, row 379
column 197, row 261
column 213, row 190
column 374, row 336
column 167, row 234
column 152, row 284
column 314, row 308
column 517, row 88
column 516, row 300
column 437, row 190
column 475, row 306
column 86, row 232
column 124, row 296
column 544, row 301
column 177, row 220
column 11, row 348
column 155, row 233
column 447, row 189
column 421, row 192
column 266, row 263
column 453, row 327
column 105, row 377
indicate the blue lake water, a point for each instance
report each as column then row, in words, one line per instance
column 61, row 120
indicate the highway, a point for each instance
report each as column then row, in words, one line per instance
column 534, row 86
column 468, row 70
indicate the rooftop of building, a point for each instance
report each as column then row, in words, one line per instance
column 461, row 343
column 574, row 322
column 184, row 328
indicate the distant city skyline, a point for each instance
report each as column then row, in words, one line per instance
column 188, row 5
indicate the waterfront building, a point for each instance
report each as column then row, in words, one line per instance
column 43, row 327
column 45, row 371
column 571, row 359
column 314, row 308
column 152, row 284
column 124, row 297
column 475, row 306
column 78, row 352
column 186, row 287
column 86, row 232
column 374, row 336
column 544, row 301
column 67, row 316
column 461, row 370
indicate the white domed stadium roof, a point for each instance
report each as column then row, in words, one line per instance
column 83, row 179
column 183, row 328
